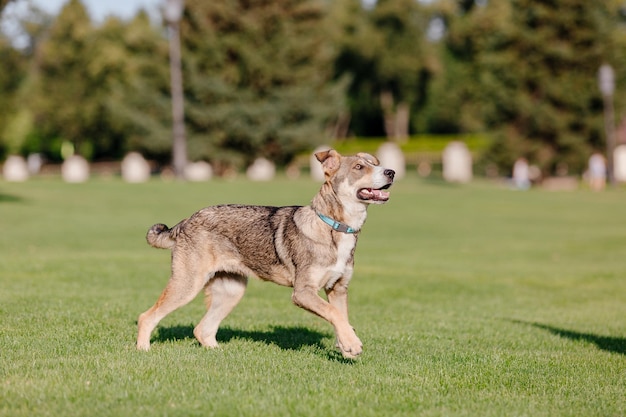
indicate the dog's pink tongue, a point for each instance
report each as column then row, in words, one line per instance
column 373, row 195
column 380, row 195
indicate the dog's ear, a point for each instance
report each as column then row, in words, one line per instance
column 369, row 158
column 329, row 160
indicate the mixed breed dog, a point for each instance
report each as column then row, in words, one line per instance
column 304, row 247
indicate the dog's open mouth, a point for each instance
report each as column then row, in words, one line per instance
column 374, row 195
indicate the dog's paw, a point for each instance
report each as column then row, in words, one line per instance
column 143, row 346
column 351, row 348
column 206, row 341
column 210, row 344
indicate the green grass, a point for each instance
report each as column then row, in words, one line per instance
column 470, row 300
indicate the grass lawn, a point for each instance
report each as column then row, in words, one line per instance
column 470, row 301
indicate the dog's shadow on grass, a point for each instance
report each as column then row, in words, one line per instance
column 286, row 338
column 606, row 343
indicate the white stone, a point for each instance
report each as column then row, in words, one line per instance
column 15, row 169
column 597, row 172
column 75, row 169
column 198, row 171
column 390, row 156
column 135, row 168
column 457, row 163
column 521, row 174
column 619, row 163
column 261, row 170
column 34, row 163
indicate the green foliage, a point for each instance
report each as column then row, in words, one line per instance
column 276, row 78
column 17, row 130
column 67, row 104
column 520, row 55
column 401, row 60
column 257, row 83
column 88, row 84
column 257, row 79
column 446, row 112
column 11, row 76
column 471, row 301
column 139, row 97
column 384, row 52
column 356, row 43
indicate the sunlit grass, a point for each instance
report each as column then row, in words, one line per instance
column 470, row 300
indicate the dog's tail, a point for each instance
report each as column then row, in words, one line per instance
column 161, row 236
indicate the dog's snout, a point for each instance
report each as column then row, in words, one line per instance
column 389, row 173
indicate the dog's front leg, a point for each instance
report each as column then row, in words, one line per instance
column 306, row 296
column 338, row 297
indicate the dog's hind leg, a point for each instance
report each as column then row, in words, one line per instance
column 223, row 293
column 186, row 282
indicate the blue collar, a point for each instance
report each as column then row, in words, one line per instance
column 340, row 227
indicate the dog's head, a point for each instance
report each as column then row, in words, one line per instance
column 358, row 177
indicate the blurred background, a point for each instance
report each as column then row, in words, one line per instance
column 232, row 83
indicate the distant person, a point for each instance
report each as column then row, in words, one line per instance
column 521, row 174
column 597, row 172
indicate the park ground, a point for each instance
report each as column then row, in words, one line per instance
column 471, row 300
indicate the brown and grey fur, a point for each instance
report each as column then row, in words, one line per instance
column 218, row 247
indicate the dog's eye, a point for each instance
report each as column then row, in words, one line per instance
column 358, row 167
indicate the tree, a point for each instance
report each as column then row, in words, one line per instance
column 257, row 79
column 68, row 103
column 356, row 42
column 385, row 53
column 452, row 98
column 11, row 77
column 536, row 63
column 19, row 71
column 403, row 63
column 99, row 87
column 138, row 99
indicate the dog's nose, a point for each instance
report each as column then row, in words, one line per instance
column 390, row 173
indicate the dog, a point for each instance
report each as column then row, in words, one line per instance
column 304, row 247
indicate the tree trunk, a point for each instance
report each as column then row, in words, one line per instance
column 386, row 103
column 342, row 125
column 402, row 121
column 396, row 117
